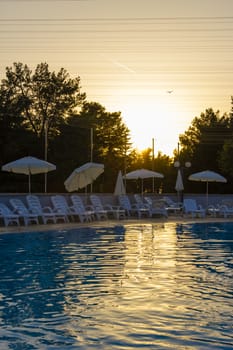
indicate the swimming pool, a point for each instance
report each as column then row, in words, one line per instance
column 142, row 286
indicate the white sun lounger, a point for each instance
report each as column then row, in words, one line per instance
column 21, row 209
column 8, row 216
column 131, row 209
column 86, row 212
column 61, row 205
column 192, row 208
column 46, row 213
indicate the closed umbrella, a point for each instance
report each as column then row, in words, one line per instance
column 29, row 166
column 83, row 176
column 143, row 174
column 179, row 187
column 207, row 176
column 119, row 187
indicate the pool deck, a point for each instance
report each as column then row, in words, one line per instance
column 110, row 222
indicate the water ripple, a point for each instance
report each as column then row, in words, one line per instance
column 144, row 286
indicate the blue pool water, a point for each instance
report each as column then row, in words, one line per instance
column 149, row 286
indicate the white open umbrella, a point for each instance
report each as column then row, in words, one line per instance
column 83, row 176
column 119, row 187
column 29, row 166
column 207, row 176
column 143, row 174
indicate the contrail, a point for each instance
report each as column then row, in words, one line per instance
column 123, row 66
column 118, row 64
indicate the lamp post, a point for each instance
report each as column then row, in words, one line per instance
column 179, row 182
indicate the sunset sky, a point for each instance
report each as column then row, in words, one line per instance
column 159, row 62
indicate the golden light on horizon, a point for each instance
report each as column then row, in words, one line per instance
column 129, row 60
column 162, row 117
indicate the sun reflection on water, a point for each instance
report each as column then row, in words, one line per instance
column 157, row 286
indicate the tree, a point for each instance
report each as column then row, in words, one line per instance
column 110, row 134
column 204, row 139
column 10, row 123
column 203, row 142
column 32, row 102
column 111, row 143
column 225, row 157
column 39, row 100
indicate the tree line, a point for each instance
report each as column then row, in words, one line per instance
column 41, row 104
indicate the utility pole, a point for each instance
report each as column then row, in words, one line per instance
column 91, row 140
column 91, row 145
column 45, row 151
column 125, row 161
column 153, row 159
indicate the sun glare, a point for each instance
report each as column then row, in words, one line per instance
column 156, row 120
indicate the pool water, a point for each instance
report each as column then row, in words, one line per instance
column 142, row 286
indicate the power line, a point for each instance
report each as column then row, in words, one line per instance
column 123, row 19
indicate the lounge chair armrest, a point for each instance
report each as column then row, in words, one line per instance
column 200, row 207
column 175, row 205
column 116, row 207
column 120, row 207
column 47, row 210
column 223, row 207
column 111, row 207
column 72, row 210
column 32, row 210
column 90, row 207
column 59, row 211
column 107, row 207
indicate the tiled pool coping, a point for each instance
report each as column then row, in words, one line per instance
column 130, row 221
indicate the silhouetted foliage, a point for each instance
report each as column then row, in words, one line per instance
column 110, row 141
column 40, row 103
column 203, row 143
column 226, row 155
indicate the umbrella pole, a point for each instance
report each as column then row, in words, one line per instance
column 86, row 195
column 207, row 190
column 45, row 182
column 29, row 182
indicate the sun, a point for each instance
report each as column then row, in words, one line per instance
column 153, row 123
column 155, row 114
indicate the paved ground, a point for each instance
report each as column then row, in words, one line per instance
column 131, row 221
